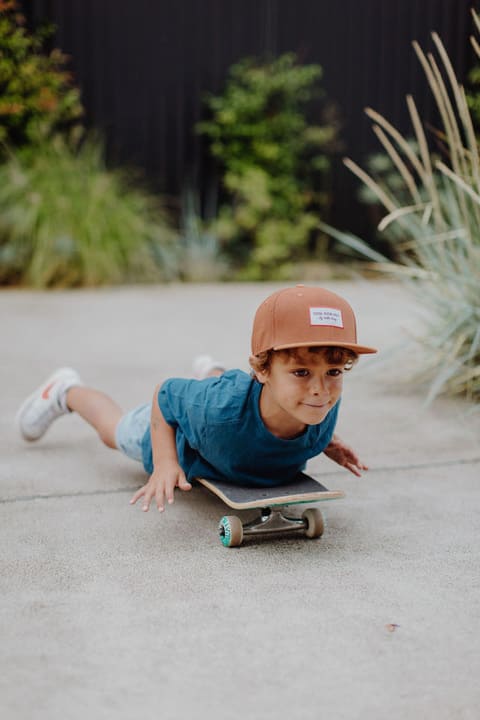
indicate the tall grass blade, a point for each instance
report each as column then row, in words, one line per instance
column 374, row 187
column 398, row 163
column 399, row 139
column 353, row 242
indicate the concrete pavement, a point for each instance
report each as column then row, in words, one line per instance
column 108, row 612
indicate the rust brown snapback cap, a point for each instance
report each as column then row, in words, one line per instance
column 305, row 317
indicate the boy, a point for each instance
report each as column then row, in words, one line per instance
column 257, row 429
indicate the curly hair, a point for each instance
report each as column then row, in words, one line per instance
column 332, row 355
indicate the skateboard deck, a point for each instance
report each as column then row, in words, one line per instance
column 304, row 489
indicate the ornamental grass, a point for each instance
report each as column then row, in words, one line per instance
column 66, row 221
column 433, row 224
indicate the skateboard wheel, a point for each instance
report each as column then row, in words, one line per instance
column 231, row 531
column 314, row 523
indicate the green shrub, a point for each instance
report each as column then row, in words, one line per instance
column 435, row 230
column 36, row 94
column 271, row 161
column 67, row 221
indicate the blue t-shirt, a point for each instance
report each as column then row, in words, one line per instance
column 221, row 435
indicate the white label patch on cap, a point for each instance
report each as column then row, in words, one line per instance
column 330, row 317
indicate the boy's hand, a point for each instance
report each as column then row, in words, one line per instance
column 161, row 485
column 344, row 456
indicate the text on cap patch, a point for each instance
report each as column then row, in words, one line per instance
column 329, row 317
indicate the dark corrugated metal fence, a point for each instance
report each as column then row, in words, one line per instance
column 143, row 67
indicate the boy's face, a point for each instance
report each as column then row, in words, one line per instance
column 298, row 391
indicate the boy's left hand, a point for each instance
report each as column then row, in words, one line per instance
column 344, row 456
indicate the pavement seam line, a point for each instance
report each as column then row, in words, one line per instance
column 116, row 491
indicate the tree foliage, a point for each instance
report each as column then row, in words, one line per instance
column 36, row 92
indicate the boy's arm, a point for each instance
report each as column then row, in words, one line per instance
column 344, row 456
column 167, row 473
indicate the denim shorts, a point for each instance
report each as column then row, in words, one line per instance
column 130, row 431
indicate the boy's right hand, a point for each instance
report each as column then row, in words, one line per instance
column 161, row 486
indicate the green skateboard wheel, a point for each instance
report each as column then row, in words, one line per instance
column 230, row 531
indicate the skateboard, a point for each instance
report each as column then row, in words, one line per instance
column 270, row 502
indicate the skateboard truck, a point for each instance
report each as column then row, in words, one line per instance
column 271, row 502
column 271, row 520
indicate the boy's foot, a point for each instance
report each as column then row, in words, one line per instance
column 47, row 403
column 204, row 365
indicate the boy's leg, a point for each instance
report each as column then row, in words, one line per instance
column 97, row 409
column 59, row 395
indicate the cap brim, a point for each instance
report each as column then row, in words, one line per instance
column 359, row 349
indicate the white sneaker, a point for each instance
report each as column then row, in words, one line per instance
column 46, row 404
column 204, row 364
